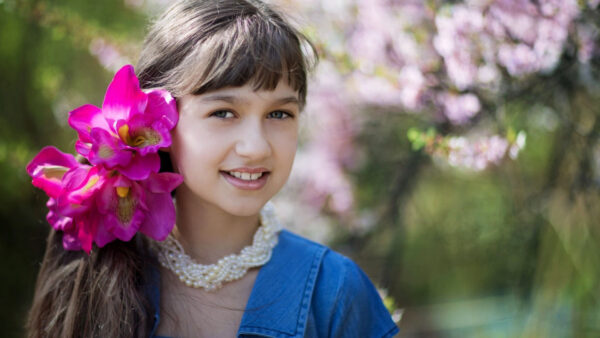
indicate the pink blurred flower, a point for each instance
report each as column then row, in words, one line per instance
column 412, row 86
column 323, row 180
column 376, row 90
column 107, row 54
column 518, row 59
column 459, row 109
column 476, row 155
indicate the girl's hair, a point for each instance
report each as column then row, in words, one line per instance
column 195, row 47
column 199, row 46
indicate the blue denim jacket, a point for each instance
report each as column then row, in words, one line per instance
column 307, row 290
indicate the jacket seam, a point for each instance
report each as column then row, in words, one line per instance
column 309, row 290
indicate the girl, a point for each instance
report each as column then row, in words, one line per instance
column 238, row 72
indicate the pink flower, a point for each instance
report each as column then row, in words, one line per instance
column 71, row 187
column 129, row 129
column 459, row 109
column 91, row 204
column 127, row 206
column 47, row 169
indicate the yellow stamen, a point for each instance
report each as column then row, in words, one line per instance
column 145, row 137
column 124, row 133
column 139, row 140
column 125, row 210
column 122, row 191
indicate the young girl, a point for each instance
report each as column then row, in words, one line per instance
column 238, row 72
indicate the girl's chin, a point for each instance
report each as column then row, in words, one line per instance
column 244, row 208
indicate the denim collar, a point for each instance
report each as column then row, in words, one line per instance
column 280, row 298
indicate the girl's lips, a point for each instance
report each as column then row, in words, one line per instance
column 246, row 185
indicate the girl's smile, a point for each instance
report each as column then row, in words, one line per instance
column 235, row 146
column 247, row 178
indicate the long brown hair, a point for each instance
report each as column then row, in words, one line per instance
column 196, row 46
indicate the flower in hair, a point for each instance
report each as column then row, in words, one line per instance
column 122, row 192
column 129, row 129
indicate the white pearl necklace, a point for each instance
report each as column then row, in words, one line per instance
column 232, row 267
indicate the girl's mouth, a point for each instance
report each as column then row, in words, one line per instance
column 245, row 180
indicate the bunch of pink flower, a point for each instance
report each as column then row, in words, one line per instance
column 121, row 192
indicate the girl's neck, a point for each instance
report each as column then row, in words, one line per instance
column 208, row 233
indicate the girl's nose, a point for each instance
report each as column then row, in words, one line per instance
column 252, row 142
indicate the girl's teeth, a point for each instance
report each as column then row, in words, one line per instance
column 246, row 176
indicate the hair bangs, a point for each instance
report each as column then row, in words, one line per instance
column 250, row 51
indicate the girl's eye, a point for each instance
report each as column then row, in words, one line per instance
column 278, row 114
column 223, row 114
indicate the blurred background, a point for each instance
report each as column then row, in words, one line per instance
column 451, row 148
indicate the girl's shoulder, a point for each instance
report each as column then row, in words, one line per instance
column 339, row 298
column 334, row 269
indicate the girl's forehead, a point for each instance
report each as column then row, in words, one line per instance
column 246, row 94
column 283, row 89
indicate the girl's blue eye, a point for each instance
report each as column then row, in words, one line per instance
column 278, row 114
column 223, row 114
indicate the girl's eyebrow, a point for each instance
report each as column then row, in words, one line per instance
column 234, row 99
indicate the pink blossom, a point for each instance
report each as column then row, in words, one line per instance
column 108, row 55
column 47, row 169
column 412, row 86
column 323, row 180
column 460, row 108
column 93, row 205
column 518, row 59
column 377, row 90
column 71, row 187
column 129, row 129
column 127, row 206
column 476, row 155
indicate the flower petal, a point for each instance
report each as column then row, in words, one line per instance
column 103, row 236
column 86, row 117
column 162, row 182
column 123, row 97
column 57, row 220
column 107, row 198
column 70, row 241
column 124, row 230
column 47, row 169
column 83, row 148
column 140, row 166
column 108, row 149
column 162, row 106
column 85, row 234
column 79, row 193
column 161, row 219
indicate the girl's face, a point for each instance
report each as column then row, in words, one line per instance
column 235, row 146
